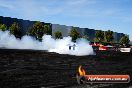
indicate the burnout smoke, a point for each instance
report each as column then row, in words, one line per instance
column 60, row 46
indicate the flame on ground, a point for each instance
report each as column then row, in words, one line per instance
column 81, row 71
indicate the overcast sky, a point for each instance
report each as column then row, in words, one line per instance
column 115, row 15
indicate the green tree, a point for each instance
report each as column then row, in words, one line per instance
column 15, row 30
column 74, row 34
column 109, row 36
column 47, row 30
column 125, row 40
column 58, row 35
column 3, row 27
column 37, row 30
column 99, row 36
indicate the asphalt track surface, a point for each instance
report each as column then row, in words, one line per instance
column 41, row 69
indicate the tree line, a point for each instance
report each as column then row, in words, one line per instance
column 14, row 29
column 107, row 37
column 100, row 36
column 38, row 30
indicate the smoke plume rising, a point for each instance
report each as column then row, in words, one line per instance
column 60, row 46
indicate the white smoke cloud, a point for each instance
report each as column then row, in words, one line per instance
column 60, row 46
